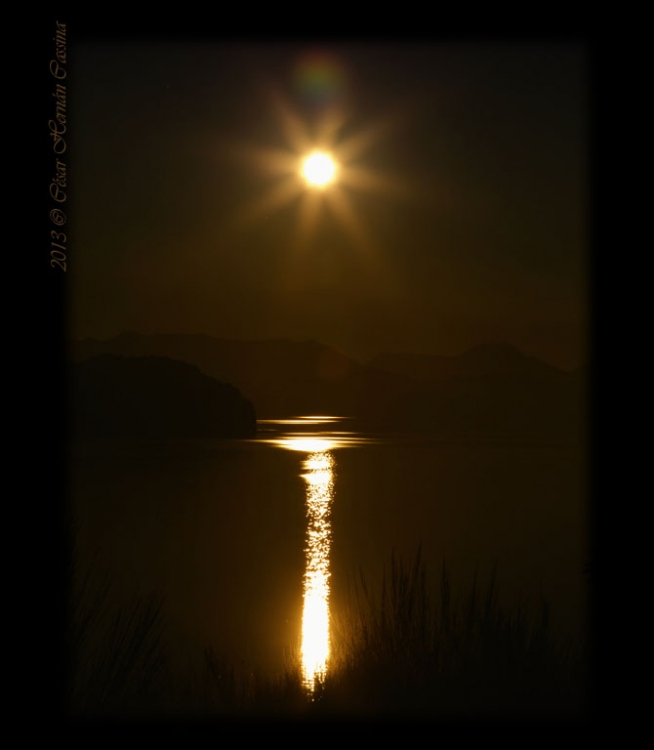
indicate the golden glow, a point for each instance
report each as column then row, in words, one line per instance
column 315, row 615
column 306, row 444
column 301, row 420
column 309, row 440
column 318, row 474
column 331, row 171
column 318, row 169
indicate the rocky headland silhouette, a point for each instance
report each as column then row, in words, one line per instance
column 152, row 397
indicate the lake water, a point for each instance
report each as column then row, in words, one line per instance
column 254, row 543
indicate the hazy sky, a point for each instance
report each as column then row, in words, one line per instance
column 462, row 218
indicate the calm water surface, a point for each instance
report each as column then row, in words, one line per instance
column 255, row 544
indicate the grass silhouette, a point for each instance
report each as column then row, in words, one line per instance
column 118, row 659
column 407, row 650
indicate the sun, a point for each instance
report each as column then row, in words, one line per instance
column 319, row 169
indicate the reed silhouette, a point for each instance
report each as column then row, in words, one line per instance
column 410, row 651
column 400, row 650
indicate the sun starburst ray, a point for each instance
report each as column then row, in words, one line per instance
column 356, row 145
column 329, row 126
column 309, row 209
column 294, row 129
column 317, row 166
column 348, row 219
column 269, row 159
column 371, row 181
column 277, row 197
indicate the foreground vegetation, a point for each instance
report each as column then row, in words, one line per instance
column 406, row 650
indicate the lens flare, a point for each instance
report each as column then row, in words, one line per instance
column 319, row 79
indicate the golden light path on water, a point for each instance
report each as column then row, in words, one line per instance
column 315, row 616
column 318, row 473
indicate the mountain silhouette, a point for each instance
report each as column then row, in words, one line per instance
column 490, row 389
column 486, row 361
column 117, row 396
column 279, row 376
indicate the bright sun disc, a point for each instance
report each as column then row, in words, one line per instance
column 318, row 169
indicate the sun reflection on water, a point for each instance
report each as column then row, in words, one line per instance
column 318, row 466
column 315, row 618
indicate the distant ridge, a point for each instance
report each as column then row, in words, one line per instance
column 482, row 361
column 490, row 389
column 280, row 376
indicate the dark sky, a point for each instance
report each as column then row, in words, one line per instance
column 477, row 231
